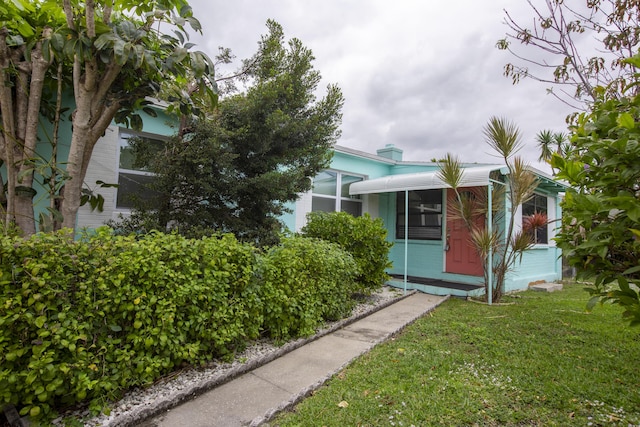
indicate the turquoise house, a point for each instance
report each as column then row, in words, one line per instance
column 412, row 201
column 408, row 196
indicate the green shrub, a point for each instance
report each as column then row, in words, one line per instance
column 83, row 321
column 86, row 320
column 304, row 282
column 363, row 237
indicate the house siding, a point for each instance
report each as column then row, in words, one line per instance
column 542, row 263
column 103, row 166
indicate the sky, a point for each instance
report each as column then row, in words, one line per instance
column 424, row 76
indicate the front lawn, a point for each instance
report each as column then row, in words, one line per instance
column 540, row 361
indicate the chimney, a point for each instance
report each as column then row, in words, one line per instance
column 390, row 152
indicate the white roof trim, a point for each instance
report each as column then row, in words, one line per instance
column 471, row 177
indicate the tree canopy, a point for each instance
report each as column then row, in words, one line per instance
column 110, row 56
column 235, row 169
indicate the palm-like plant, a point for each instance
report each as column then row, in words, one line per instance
column 551, row 142
column 505, row 245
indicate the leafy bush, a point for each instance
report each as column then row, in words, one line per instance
column 304, row 282
column 363, row 237
column 600, row 235
column 86, row 320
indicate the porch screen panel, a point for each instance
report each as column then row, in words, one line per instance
column 425, row 215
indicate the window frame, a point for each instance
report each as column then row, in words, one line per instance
column 537, row 239
column 338, row 198
column 124, row 135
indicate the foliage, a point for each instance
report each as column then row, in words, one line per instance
column 583, row 45
column 601, row 225
column 363, row 237
column 538, row 361
column 82, row 321
column 497, row 245
column 551, row 142
column 110, row 57
column 86, row 320
column 234, row 170
column 304, row 282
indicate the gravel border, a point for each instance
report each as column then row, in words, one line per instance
column 170, row 391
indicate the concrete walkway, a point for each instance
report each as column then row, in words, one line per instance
column 255, row 397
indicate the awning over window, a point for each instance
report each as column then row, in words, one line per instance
column 471, row 177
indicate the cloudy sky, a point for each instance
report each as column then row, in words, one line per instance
column 422, row 75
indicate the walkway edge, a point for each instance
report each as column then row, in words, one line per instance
column 258, row 421
column 162, row 405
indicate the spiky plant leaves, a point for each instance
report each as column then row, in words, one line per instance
column 503, row 136
column 450, row 171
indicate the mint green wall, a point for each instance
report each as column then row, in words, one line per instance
column 540, row 263
column 289, row 219
column 360, row 165
column 164, row 124
column 415, row 168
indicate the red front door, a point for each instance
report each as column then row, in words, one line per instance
column 461, row 256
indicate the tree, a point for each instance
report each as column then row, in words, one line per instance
column 499, row 248
column 117, row 54
column 238, row 167
column 601, row 220
column 551, row 142
column 564, row 57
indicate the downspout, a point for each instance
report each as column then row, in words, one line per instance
column 406, row 237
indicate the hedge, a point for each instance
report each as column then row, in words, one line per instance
column 86, row 320
column 305, row 281
column 82, row 321
column 363, row 237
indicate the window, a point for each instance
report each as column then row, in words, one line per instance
column 537, row 204
column 133, row 173
column 331, row 193
column 425, row 215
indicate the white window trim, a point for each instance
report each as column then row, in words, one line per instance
column 338, row 197
column 551, row 217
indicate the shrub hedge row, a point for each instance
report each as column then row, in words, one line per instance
column 85, row 320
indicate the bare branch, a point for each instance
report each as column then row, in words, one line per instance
column 559, row 30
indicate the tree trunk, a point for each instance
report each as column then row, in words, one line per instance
column 90, row 121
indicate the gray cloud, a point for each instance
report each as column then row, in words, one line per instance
column 424, row 76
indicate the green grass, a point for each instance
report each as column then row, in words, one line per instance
column 541, row 361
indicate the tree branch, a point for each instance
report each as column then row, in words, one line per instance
column 68, row 12
column 90, row 17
